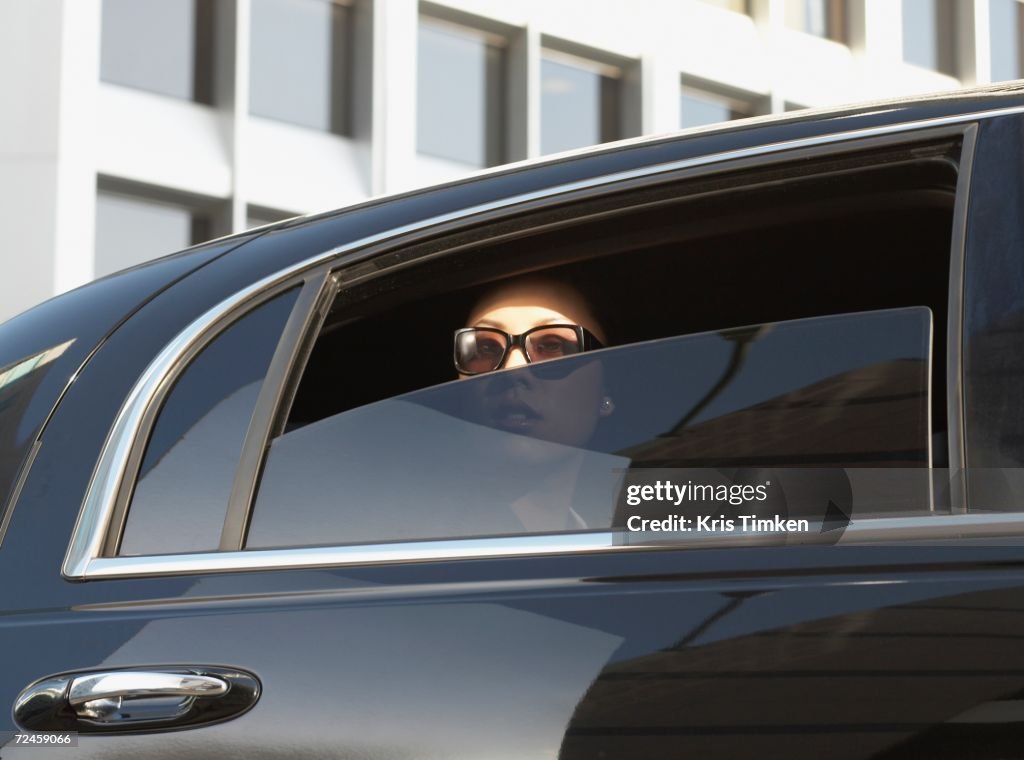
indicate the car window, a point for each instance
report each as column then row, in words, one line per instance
column 746, row 322
column 533, row 450
column 188, row 468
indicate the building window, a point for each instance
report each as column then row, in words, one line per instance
column 300, row 63
column 739, row 6
column 822, row 18
column 698, row 107
column 1006, row 23
column 579, row 102
column 163, row 46
column 459, row 94
column 258, row 216
column 929, row 34
column 131, row 230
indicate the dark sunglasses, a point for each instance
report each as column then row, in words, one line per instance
column 485, row 349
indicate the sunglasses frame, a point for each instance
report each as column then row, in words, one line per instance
column 587, row 340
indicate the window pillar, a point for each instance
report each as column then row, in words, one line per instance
column 395, row 27
column 523, row 109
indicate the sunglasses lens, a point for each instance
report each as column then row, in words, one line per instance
column 479, row 350
column 552, row 343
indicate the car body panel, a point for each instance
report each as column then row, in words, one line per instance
column 64, row 332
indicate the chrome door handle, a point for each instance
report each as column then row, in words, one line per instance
column 135, row 699
column 143, row 683
column 140, row 695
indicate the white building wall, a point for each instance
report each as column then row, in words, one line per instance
column 64, row 132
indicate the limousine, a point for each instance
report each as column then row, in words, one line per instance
column 250, row 507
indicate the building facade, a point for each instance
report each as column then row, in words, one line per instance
column 133, row 128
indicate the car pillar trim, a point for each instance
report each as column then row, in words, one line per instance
column 875, row 530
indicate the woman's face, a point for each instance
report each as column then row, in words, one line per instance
column 564, row 409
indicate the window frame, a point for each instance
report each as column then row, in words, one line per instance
column 324, row 274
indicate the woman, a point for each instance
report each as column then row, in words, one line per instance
column 548, row 412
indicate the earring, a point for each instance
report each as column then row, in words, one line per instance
column 607, row 406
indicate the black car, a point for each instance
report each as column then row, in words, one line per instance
column 248, row 507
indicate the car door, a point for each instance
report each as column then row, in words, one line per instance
column 198, row 551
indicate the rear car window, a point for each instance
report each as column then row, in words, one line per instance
column 185, row 478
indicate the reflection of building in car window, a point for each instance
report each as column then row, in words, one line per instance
column 535, row 448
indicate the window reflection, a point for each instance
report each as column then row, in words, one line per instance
column 27, row 366
column 460, row 114
column 512, row 452
column 19, row 383
column 187, row 472
column 163, row 46
column 579, row 104
column 301, row 63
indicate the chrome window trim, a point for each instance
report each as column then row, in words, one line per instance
column 83, row 558
column 934, row 528
column 955, row 423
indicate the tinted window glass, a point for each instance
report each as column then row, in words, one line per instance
column 184, row 483
column 459, row 95
column 579, row 107
column 538, row 450
column 162, row 46
column 300, row 63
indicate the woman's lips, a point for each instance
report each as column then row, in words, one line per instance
column 515, row 416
